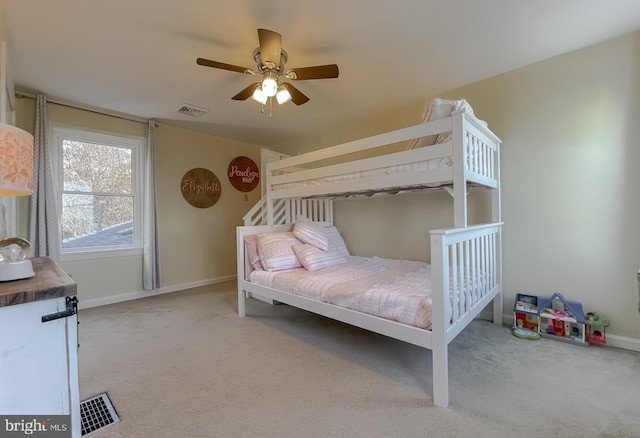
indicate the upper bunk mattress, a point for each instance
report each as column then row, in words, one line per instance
column 408, row 168
column 397, row 290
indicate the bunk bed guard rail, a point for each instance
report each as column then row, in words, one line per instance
column 286, row 211
column 467, row 263
column 473, row 148
column 293, row 188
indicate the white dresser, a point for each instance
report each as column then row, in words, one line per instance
column 39, row 345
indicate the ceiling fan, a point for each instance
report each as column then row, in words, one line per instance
column 270, row 60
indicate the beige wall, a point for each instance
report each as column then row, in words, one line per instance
column 198, row 245
column 570, row 176
column 570, row 181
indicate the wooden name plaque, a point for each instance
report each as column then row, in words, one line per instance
column 243, row 174
column 200, row 187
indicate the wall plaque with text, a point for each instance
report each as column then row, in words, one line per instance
column 243, row 174
column 200, row 187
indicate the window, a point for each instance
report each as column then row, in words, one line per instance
column 100, row 201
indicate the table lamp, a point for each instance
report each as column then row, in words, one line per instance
column 16, row 179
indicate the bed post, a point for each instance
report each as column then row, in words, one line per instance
column 496, row 217
column 459, row 176
column 439, row 319
column 497, row 300
column 268, row 198
column 241, row 271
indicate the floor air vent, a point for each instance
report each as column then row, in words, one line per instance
column 97, row 413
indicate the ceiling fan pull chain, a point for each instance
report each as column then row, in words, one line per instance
column 270, row 107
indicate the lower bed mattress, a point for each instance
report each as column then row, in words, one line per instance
column 397, row 290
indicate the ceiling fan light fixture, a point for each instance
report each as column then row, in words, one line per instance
column 269, row 85
column 283, row 96
column 271, row 59
column 259, row 95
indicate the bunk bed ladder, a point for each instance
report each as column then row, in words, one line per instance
column 257, row 214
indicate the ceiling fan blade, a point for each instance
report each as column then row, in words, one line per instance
column 246, row 93
column 270, row 47
column 221, row 65
column 317, row 72
column 296, row 95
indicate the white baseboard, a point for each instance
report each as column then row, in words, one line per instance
column 82, row 304
column 623, row 342
column 507, row 319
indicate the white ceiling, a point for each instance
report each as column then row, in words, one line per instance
column 138, row 56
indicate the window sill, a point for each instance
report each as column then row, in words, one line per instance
column 99, row 254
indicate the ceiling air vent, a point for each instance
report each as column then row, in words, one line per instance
column 191, row 110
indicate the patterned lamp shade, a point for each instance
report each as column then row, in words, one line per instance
column 16, row 161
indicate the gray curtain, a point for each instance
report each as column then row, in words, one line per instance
column 151, row 263
column 44, row 229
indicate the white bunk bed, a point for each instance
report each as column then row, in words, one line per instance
column 465, row 260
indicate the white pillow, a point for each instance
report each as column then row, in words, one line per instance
column 313, row 258
column 251, row 249
column 311, row 232
column 336, row 242
column 439, row 109
column 276, row 251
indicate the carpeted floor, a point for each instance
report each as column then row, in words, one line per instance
column 185, row 365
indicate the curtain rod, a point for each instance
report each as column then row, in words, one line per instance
column 88, row 108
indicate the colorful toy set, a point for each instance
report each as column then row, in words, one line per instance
column 596, row 328
column 556, row 317
column 526, row 323
column 562, row 319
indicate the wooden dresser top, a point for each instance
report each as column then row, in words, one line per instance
column 49, row 282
